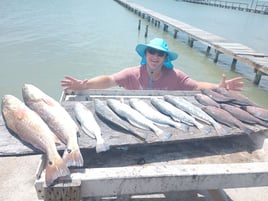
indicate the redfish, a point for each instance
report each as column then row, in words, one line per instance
column 258, row 112
column 226, row 118
column 57, row 119
column 32, row 129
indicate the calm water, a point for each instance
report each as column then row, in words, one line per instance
column 41, row 41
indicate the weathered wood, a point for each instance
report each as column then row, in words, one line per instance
column 146, row 179
column 257, row 78
column 233, row 64
column 114, row 136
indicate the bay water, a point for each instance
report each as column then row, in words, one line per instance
column 41, row 41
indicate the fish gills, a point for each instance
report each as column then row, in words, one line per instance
column 57, row 119
column 106, row 113
column 90, row 126
column 32, row 129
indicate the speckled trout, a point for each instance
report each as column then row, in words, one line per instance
column 195, row 111
column 106, row 113
column 29, row 127
column 90, row 126
column 151, row 113
column 57, row 119
column 177, row 114
column 136, row 119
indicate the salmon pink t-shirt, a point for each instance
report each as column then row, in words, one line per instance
column 137, row 78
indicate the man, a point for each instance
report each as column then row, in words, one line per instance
column 155, row 72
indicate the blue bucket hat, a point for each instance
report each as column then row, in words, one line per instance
column 159, row 44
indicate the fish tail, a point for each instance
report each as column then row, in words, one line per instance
column 101, row 147
column 203, row 128
column 206, row 130
column 140, row 135
column 87, row 131
column 73, row 157
column 182, row 126
column 163, row 135
column 220, row 130
column 263, row 123
column 247, row 130
column 54, row 170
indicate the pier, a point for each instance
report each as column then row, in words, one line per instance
column 238, row 52
column 260, row 7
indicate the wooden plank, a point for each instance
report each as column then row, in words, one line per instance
column 12, row 145
column 146, row 179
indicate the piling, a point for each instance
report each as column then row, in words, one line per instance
column 146, row 31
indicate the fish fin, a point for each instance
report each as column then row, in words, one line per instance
column 206, row 130
column 137, row 125
column 101, row 147
column 73, row 157
column 182, row 126
column 161, row 124
column 56, row 139
column 220, row 130
column 86, row 130
column 140, row 135
column 49, row 101
column 54, row 170
column 163, row 135
column 247, row 130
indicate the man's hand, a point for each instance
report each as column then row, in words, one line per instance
column 233, row 84
column 71, row 83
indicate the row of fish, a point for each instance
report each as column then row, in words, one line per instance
column 179, row 113
column 42, row 121
column 232, row 108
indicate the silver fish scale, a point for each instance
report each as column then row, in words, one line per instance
column 189, row 108
column 135, row 118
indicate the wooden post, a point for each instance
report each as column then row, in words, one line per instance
column 257, row 78
column 139, row 26
column 146, row 32
column 165, row 27
column 175, row 33
column 143, row 15
column 63, row 192
column 233, row 64
column 190, row 41
column 208, row 50
column 216, row 56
